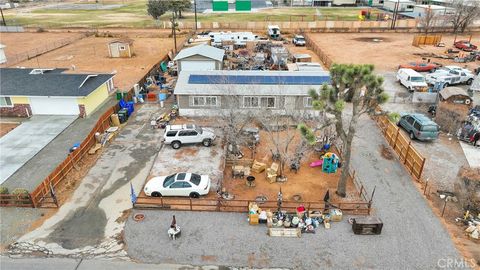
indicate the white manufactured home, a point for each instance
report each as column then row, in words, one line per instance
column 238, row 38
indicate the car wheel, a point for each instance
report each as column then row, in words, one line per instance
column 207, row 142
column 176, row 145
column 194, row 195
column 446, row 85
column 469, row 82
column 156, row 194
column 412, row 136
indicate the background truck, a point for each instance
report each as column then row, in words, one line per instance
column 451, row 78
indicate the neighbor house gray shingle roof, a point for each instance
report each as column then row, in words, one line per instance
column 19, row 82
column 203, row 50
column 239, row 82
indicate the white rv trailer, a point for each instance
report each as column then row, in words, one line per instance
column 238, row 38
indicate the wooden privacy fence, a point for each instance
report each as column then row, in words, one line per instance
column 21, row 200
column 408, row 155
column 426, row 40
column 43, row 191
column 221, row 205
column 316, row 49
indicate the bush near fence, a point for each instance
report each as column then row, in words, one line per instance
column 410, row 157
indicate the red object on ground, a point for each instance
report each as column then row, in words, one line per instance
column 420, row 66
column 465, row 45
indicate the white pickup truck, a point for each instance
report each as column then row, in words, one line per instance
column 450, row 77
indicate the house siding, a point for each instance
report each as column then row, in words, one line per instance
column 94, row 100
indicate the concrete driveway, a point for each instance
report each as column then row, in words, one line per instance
column 25, row 141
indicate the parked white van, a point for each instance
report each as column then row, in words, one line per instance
column 411, row 79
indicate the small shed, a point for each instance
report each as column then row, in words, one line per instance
column 121, row 48
column 302, row 57
column 455, row 95
column 3, row 58
column 200, row 58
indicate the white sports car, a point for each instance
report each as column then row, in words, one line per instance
column 178, row 184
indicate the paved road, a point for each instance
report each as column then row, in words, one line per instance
column 25, row 141
column 412, row 237
column 77, row 264
column 33, row 172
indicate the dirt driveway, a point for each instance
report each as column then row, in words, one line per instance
column 385, row 50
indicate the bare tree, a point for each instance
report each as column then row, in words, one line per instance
column 287, row 144
column 429, row 19
column 464, row 14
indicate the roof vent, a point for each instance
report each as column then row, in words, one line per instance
column 40, row 70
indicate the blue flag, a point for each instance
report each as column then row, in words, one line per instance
column 133, row 197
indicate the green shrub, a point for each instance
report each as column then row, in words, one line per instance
column 3, row 190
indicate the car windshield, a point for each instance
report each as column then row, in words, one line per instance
column 417, row 79
column 169, row 180
column 195, row 179
column 300, row 39
column 199, row 130
column 430, row 128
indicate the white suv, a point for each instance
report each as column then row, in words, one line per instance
column 176, row 135
column 299, row 40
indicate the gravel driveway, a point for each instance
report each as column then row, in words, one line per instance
column 412, row 237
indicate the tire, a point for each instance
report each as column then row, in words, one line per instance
column 446, row 85
column 156, row 194
column 412, row 136
column 194, row 195
column 176, row 144
column 207, row 142
column 469, row 82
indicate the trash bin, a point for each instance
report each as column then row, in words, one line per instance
column 130, row 107
column 120, row 95
column 162, row 96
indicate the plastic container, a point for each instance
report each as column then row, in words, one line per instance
column 162, row 96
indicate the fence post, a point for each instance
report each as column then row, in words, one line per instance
column 408, row 150
column 190, row 204
column 361, row 190
column 33, row 201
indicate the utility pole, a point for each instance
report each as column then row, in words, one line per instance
column 195, row 8
column 3, row 18
column 395, row 11
column 174, row 33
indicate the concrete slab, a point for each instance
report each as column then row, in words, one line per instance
column 25, row 141
column 472, row 154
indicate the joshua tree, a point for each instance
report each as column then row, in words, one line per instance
column 366, row 92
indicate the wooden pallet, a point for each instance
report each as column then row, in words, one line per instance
column 285, row 232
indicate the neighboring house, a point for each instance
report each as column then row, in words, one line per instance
column 344, row 2
column 400, row 5
column 206, row 93
column 24, row 92
column 419, row 11
column 121, row 48
column 3, row 58
column 200, row 57
column 455, row 95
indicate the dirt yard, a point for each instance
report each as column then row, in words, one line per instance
column 21, row 43
column 385, row 50
column 7, row 127
column 91, row 55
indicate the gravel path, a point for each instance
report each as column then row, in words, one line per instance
column 412, row 237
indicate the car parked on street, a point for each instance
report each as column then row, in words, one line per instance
column 411, row 79
column 419, row 126
column 177, row 135
column 298, row 40
column 421, row 66
column 465, row 45
column 178, row 184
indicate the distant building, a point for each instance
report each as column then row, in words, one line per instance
column 121, row 48
column 401, row 5
column 420, row 10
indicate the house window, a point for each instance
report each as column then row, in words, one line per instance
column 5, row 102
column 259, row 102
column 307, row 102
column 208, row 101
column 122, row 48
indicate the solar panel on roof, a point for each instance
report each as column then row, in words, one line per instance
column 258, row 79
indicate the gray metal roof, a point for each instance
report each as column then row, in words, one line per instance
column 203, row 50
column 19, row 82
column 186, row 86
